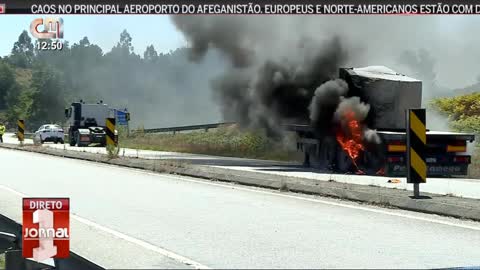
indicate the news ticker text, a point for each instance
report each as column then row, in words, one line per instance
column 229, row 8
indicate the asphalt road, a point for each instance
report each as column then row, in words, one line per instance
column 467, row 188
column 127, row 218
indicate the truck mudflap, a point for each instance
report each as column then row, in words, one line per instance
column 83, row 137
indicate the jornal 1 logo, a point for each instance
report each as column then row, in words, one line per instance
column 46, row 228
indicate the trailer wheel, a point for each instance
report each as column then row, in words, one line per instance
column 344, row 163
column 324, row 158
column 374, row 158
column 374, row 162
column 77, row 139
column 71, row 139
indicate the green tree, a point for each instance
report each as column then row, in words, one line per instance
column 155, row 87
column 14, row 94
column 124, row 47
column 124, row 70
column 462, row 111
column 150, row 55
column 21, row 108
column 23, row 51
column 8, row 85
column 83, row 70
column 125, row 42
column 48, row 94
column 459, row 106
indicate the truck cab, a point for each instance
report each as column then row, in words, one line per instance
column 86, row 123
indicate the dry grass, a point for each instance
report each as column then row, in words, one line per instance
column 225, row 141
column 230, row 141
column 112, row 151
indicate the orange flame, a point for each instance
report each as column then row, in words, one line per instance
column 351, row 144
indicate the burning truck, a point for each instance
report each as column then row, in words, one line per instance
column 374, row 141
column 347, row 121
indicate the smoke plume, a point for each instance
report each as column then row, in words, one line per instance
column 267, row 84
column 325, row 102
column 229, row 35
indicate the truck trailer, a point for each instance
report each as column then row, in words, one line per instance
column 389, row 95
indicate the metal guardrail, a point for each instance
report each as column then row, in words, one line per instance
column 206, row 127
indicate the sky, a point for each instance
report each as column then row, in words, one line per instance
column 103, row 30
column 452, row 40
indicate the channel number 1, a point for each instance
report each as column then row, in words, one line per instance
column 47, row 249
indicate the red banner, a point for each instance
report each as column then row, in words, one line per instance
column 46, row 228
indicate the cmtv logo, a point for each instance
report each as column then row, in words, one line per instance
column 46, row 228
column 48, row 28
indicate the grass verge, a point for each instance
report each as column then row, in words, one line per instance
column 2, row 261
column 224, row 141
column 231, row 141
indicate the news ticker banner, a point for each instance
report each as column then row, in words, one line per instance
column 46, row 228
column 230, row 7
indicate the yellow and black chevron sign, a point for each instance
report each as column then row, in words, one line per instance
column 110, row 131
column 416, row 144
column 21, row 130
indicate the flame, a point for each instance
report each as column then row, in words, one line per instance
column 352, row 144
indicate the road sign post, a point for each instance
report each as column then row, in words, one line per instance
column 21, row 131
column 127, row 116
column 110, row 132
column 416, row 144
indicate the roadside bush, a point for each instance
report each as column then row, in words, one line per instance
column 463, row 112
column 112, row 151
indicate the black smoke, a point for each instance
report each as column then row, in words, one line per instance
column 325, row 103
column 272, row 81
column 228, row 34
column 259, row 91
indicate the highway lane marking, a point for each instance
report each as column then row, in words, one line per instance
column 316, row 200
column 146, row 245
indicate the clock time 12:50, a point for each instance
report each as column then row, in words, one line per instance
column 46, row 45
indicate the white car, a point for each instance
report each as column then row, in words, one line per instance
column 49, row 133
